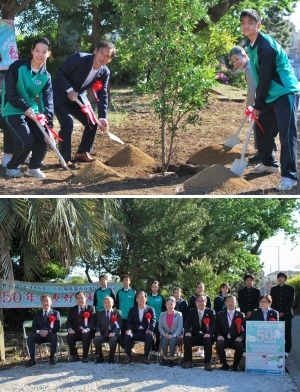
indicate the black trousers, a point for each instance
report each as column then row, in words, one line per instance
column 112, row 341
column 139, row 335
column 85, row 338
column 37, row 338
column 288, row 333
column 65, row 113
column 122, row 334
column 8, row 143
column 230, row 343
column 26, row 137
column 280, row 116
column 197, row 340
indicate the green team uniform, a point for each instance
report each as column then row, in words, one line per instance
column 100, row 294
column 125, row 300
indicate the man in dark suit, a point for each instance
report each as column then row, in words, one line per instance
column 107, row 329
column 283, row 297
column 140, row 326
column 199, row 330
column 80, row 327
column 248, row 296
column 45, row 325
column 265, row 312
column 78, row 73
column 181, row 304
column 230, row 333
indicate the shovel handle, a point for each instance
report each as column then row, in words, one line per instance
column 63, row 162
column 241, row 126
column 247, row 140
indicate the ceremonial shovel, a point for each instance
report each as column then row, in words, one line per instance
column 233, row 140
column 239, row 165
column 86, row 101
column 53, row 146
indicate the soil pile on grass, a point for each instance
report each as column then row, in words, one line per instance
column 130, row 156
column 214, row 154
column 96, row 172
column 217, row 177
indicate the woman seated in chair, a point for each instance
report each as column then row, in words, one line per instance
column 265, row 312
column 170, row 328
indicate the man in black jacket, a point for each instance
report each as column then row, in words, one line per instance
column 283, row 297
column 248, row 296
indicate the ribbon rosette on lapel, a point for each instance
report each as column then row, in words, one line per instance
column 97, row 86
column 86, row 316
column 272, row 319
column 114, row 319
column 238, row 322
column 52, row 319
column 206, row 321
column 148, row 316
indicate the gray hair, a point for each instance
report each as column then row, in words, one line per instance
column 172, row 299
column 238, row 50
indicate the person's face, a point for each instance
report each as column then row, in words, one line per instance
column 249, row 282
column 154, row 288
column 238, row 61
column 46, row 303
column 103, row 282
column 249, row 27
column 141, row 300
column 177, row 294
column 40, row 53
column 170, row 306
column 264, row 304
column 230, row 303
column 224, row 291
column 281, row 280
column 126, row 282
column 102, row 57
column 200, row 288
column 200, row 303
column 107, row 303
column 80, row 300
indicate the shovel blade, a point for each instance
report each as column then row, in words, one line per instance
column 115, row 138
column 238, row 166
column 232, row 141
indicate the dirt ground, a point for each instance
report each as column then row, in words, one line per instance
column 132, row 121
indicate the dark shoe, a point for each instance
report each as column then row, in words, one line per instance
column 99, row 359
column 187, row 365
column 235, row 368
column 31, row 362
column 74, row 358
column 170, row 363
column 111, row 360
column 70, row 165
column 127, row 360
column 208, row 367
column 146, row 361
column 84, row 157
column 224, row 366
column 85, row 360
column 52, row 361
column 163, row 362
column 255, row 158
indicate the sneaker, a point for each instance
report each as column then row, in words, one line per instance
column 286, row 355
column 255, row 158
column 5, row 159
column 36, row 173
column 286, row 184
column 265, row 169
column 14, row 173
column 31, row 362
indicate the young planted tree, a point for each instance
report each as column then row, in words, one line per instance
column 159, row 42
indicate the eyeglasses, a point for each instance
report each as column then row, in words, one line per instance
column 200, row 301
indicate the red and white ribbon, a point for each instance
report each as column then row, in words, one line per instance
column 43, row 121
column 249, row 114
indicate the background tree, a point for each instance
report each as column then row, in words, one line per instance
column 276, row 24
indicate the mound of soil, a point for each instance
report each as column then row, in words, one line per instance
column 214, row 154
column 95, row 172
column 130, row 156
column 217, row 177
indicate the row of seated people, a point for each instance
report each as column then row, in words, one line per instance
column 202, row 327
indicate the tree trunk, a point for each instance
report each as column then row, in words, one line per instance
column 96, row 26
column 2, row 346
column 68, row 36
column 11, row 8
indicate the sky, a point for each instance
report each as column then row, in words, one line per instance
column 295, row 17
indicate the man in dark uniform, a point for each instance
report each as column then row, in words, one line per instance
column 283, row 296
column 248, row 296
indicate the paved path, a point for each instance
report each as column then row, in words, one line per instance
column 293, row 361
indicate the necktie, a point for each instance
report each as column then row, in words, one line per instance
column 200, row 318
column 107, row 324
column 45, row 315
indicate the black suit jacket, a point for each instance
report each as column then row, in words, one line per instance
column 283, row 299
column 257, row 315
column 133, row 321
column 100, row 322
column 248, row 299
column 72, row 73
column 39, row 323
column 223, row 329
column 183, row 307
column 75, row 319
column 192, row 323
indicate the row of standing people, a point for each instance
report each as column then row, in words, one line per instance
column 28, row 91
column 128, row 322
